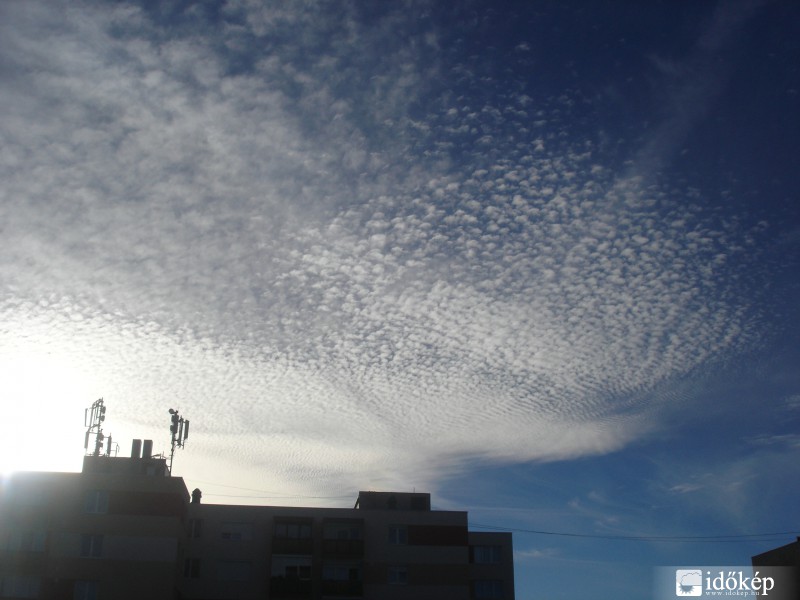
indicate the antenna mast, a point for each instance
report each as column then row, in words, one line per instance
column 93, row 418
column 179, row 428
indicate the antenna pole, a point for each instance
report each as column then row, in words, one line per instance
column 179, row 431
column 93, row 418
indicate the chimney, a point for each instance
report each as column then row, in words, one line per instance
column 136, row 449
column 147, row 449
column 196, row 495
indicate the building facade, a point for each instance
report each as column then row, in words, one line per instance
column 782, row 564
column 123, row 528
column 92, row 534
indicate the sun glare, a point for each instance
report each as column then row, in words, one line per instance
column 41, row 419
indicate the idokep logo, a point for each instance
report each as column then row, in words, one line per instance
column 682, row 581
column 688, row 582
column 728, row 581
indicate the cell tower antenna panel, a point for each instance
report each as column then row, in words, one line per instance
column 93, row 418
column 179, row 430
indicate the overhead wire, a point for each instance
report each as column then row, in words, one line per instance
column 297, row 496
column 271, row 495
column 733, row 538
column 745, row 537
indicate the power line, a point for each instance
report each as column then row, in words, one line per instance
column 749, row 537
column 737, row 538
column 297, row 497
column 272, row 495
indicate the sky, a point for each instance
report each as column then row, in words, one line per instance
column 537, row 258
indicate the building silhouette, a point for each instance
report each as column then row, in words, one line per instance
column 783, row 565
column 124, row 528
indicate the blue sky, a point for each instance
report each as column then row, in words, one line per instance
column 540, row 259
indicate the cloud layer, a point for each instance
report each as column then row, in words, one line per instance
column 351, row 255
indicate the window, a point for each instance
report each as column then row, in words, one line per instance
column 84, row 590
column 19, row 586
column 293, row 537
column 302, row 572
column 398, row 576
column 96, row 502
column 488, row 589
column 234, row 570
column 342, row 579
column 343, row 572
column 91, row 546
column 237, row 531
column 195, row 528
column 398, row 534
column 343, row 538
column 23, row 541
column 342, row 531
column 293, row 530
column 290, row 576
column 191, row 568
column 291, row 567
column 487, row 554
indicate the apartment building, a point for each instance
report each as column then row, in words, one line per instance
column 112, row 531
column 124, row 528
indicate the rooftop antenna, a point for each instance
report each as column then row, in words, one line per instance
column 93, row 418
column 179, row 428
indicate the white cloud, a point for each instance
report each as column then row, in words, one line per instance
column 303, row 265
column 537, row 555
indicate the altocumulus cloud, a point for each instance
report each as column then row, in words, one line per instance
column 345, row 246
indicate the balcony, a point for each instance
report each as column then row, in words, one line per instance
column 292, row 545
column 289, row 588
column 348, row 548
column 342, row 589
